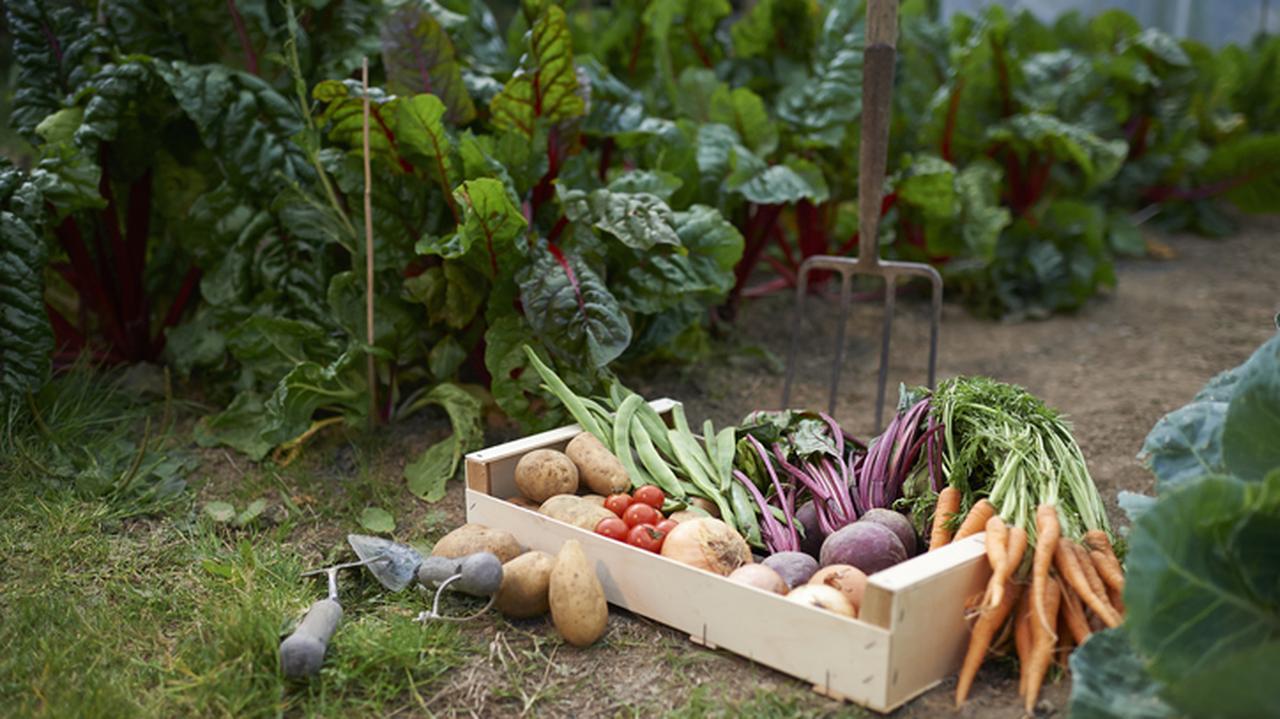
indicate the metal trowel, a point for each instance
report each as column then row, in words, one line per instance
column 395, row 565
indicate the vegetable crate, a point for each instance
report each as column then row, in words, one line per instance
column 910, row 633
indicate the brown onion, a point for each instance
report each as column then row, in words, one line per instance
column 707, row 544
column 849, row 580
column 822, row 597
column 760, row 577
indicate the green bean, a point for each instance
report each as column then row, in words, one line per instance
column 744, row 511
column 571, row 401
column 662, row 474
column 622, row 439
column 687, row 451
column 656, row 428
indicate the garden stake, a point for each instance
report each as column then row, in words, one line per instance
column 370, row 368
column 302, row 652
column 877, row 96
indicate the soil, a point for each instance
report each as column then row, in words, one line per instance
column 1113, row 368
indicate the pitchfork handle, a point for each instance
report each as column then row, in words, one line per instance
column 302, row 652
column 877, row 109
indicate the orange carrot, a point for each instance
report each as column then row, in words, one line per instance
column 1104, row 559
column 1117, row 600
column 996, row 542
column 1043, row 639
column 976, row 520
column 1017, row 546
column 1090, row 571
column 1073, row 614
column 1022, row 639
column 983, row 631
column 1047, row 532
column 1068, row 563
column 948, row 505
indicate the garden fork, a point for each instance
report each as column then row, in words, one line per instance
column 877, row 97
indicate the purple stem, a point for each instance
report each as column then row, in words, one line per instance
column 770, row 529
column 777, row 486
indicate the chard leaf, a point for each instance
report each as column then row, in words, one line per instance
column 929, row 183
column 1110, row 681
column 338, row 386
column 1249, row 434
column 489, row 219
column 1250, row 168
column 394, row 325
column 782, row 26
column 569, row 307
column 419, row 58
column 420, row 126
column 1203, row 594
column 700, row 275
column 514, row 383
column 270, row 346
column 982, row 217
column 452, row 292
column 653, row 182
column 546, row 86
column 821, row 107
column 446, row 357
column 743, row 110
column 1097, row 159
column 239, row 427
column 640, row 221
column 784, row 184
column 54, row 53
column 428, row 475
column 26, row 339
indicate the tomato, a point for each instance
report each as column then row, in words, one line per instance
column 613, row 528
column 641, row 514
column 646, row 537
column 617, row 503
column 666, row 525
column 650, row 495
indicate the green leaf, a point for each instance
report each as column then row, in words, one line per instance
column 394, row 324
column 250, row 513
column 929, row 183
column 982, row 217
column 420, row 126
column 514, row 381
column 1250, row 448
column 1248, row 169
column 68, row 177
column 220, row 512
column 821, row 107
column 339, row 386
column 639, row 221
column 653, row 182
column 55, row 54
column 744, row 111
column 26, row 338
column 569, row 307
column 446, row 357
column 419, row 58
column 700, row 276
column 428, row 475
column 271, row 346
column 377, row 520
column 781, row 26
column 1110, row 681
column 1097, row 159
column 546, row 86
column 453, row 293
column 783, row 184
column 239, row 426
column 1203, row 594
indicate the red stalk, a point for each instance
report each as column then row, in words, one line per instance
column 242, row 32
column 953, row 113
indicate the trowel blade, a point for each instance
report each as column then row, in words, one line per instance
column 397, row 565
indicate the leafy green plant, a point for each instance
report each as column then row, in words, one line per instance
column 1203, row 622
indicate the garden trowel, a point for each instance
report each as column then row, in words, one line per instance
column 395, row 565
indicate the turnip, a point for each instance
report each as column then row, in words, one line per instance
column 899, row 524
column 865, row 545
column 795, row 568
column 807, row 516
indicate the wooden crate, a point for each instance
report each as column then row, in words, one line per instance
column 910, row 633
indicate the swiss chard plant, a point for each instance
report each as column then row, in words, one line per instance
column 1202, row 631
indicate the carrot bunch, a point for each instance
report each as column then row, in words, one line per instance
column 1074, row 587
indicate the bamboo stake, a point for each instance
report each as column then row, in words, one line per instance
column 368, row 249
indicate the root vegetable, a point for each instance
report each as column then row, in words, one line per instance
column 984, row 630
column 1047, row 532
column 544, row 473
column 850, row 581
column 807, row 517
column 865, row 545
column 1022, row 639
column 707, row 544
column 578, row 607
column 1014, row 550
column 822, row 597
column 594, row 499
column 1043, row 639
column 575, row 510
column 525, row 583
column 1073, row 614
column 976, row 520
column 1104, row 559
column 760, row 577
column 795, row 568
column 948, row 505
column 472, row 538
column 896, row 523
column 1067, row 560
column 598, row 468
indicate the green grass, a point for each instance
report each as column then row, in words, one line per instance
column 704, row 703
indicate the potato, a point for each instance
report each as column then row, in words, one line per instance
column 578, row 607
column 472, row 538
column 597, row 466
column 525, row 581
column 575, row 510
column 544, row 473
column 594, row 499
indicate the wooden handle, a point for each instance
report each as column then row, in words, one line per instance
column 302, row 652
column 877, row 109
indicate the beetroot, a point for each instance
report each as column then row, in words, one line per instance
column 899, row 524
column 807, row 516
column 795, row 568
column 865, row 545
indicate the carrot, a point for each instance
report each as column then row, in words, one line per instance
column 1043, row 639
column 1017, row 546
column 996, row 542
column 1022, row 640
column 1068, row 563
column 1066, row 641
column 1047, row 530
column 1073, row 614
column 1117, row 600
column 976, row 520
column 1104, row 559
column 948, row 505
column 989, row 622
column 1090, row 571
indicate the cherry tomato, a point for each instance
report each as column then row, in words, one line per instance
column 650, row 495
column 666, row 525
column 641, row 514
column 617, row 503
column 613, row 528
column 646, row 537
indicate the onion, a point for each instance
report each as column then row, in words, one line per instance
column 822, row 597
column 707, row 544
column 760, row 577
column 850, row 581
